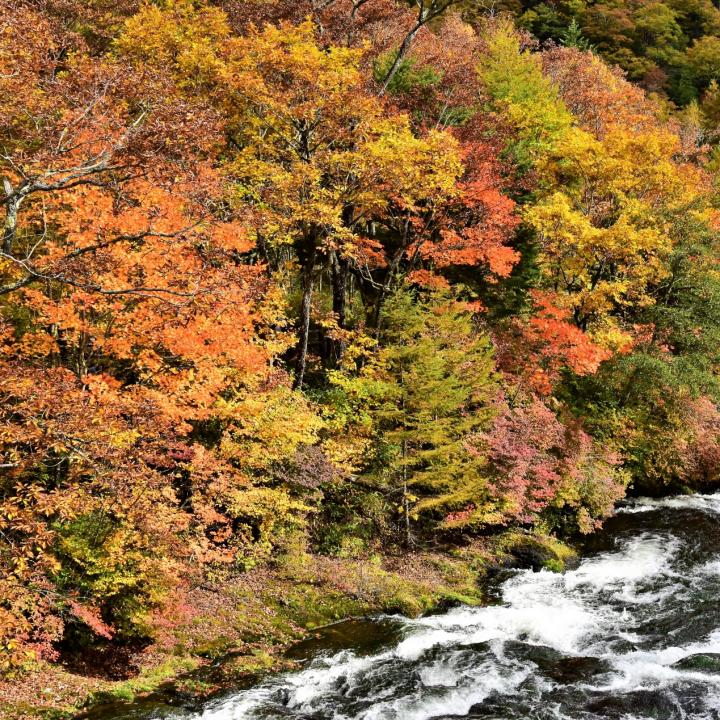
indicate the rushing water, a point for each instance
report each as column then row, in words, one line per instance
column 632, row 633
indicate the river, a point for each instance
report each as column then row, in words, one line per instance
column 633, row 632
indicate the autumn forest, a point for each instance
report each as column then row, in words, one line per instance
column 315, row 307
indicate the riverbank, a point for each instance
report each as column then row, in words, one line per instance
column 632, row 630
column 242, row 625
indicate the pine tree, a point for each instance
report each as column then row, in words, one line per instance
column 573, row 37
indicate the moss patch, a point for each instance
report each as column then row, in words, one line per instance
column 535, row 551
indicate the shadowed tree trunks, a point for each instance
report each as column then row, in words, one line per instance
column 11, row 212
column 340, row 270
column 308, row 285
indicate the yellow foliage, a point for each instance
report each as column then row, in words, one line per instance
column 180, row 34
column 267, row 427
column 314, row 143
column 601, row 220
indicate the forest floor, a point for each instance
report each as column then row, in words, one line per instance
column 243, row 624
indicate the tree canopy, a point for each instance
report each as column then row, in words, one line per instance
column 274, row 273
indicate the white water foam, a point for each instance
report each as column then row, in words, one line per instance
column 626, row 573
column 445, row 664
column 704, row 503
column 710, row 568
column 560, row 611
column 467, row 691
column 301, row 688
column 652, row 669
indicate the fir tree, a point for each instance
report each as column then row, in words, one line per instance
column 573, row 37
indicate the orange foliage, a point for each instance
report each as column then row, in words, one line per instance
column 536, row 351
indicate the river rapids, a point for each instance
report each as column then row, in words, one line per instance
column 633, row 632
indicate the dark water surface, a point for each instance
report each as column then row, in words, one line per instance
column 632, row 633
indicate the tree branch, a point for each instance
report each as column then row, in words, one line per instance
column 427, row 10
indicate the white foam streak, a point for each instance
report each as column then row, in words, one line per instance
column 476, row 688
column 647, row 669
column 703, row 503
column 536, row 609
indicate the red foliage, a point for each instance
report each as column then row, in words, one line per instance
column 91, row 617
column 524, row 447
column 534, row 352
column 475, row 228
column 598, row 95
column 536, row 461
column 700, row 453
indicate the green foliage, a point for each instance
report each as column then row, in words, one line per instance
column 573, row 37
column 703, row 59
column 439, row 382
column 109, row 568
column 521, row 93
column 667, row 45
column 407, row 77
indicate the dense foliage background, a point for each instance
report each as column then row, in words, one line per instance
column 340, row 277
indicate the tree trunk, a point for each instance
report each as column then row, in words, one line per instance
column 340, row 270
column 402, row 51
column 406, row 514
column 12, row 205
column 305, row 309
column 389, row 276
column 428, row 10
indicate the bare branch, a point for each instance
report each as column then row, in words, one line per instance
column 428, row 10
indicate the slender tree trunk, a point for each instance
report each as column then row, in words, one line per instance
column 305, row 309
column 405, row 499
column 428, row 10
column 402, row 51
column 340, row 270
column 11, row 212
column 406, row 513
column 389, row 276
column 339, row 278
